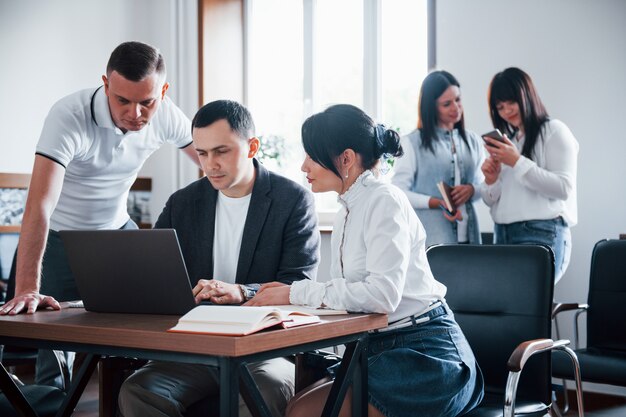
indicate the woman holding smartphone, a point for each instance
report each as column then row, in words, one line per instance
column 530, row 177
column 421, row 362
column 441, row 150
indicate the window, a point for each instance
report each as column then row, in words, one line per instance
column 302, row 56
column 404, row 61
column 338, row 53
column 274, row 74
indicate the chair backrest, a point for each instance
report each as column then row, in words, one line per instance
column 606, row 327
column 501, row 295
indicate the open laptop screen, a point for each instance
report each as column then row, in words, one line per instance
column 129, row 271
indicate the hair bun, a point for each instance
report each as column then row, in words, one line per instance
column 388, row 141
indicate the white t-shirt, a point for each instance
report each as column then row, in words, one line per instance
column 230, row 219
column 101, row 162
column 463, row 224
column 542, row 188
column 379, row 262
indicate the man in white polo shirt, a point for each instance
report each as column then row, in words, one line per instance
column 92, row 145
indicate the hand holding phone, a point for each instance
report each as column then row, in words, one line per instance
column 454, row 216
column 494, row 134
column 507, row 153
column 448, row 212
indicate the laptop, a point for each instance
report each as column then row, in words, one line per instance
column 129, row 271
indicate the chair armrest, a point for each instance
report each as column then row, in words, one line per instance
column 580, row 308
column 518, row 359
column 558, row 308
column 525, row 350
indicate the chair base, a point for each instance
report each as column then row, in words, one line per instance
column 491, row 406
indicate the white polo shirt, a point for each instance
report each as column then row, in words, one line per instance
column 101, row 162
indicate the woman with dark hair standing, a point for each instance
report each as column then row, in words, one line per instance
column 421, row 361
column 530, row 177
column 440, row 149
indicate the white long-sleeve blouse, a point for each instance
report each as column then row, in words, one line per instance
column 540, row 188
column 378, row 261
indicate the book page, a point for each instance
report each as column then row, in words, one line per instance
column 231, row 329
column 228, row 314
column 310, row 310
column 445, row 190
column 299, row 320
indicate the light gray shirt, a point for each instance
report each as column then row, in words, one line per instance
column 419, row 170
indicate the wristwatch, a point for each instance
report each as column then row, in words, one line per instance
column 247, row 292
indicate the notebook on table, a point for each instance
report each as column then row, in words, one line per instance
column 129, row 271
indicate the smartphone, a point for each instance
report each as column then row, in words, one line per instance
column 494, row 134
column 448, row 212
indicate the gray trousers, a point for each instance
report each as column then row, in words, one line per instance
column 55, row 367
column 168, row 389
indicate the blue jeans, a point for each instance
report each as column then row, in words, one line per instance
column 427, row 369
column 553, row 233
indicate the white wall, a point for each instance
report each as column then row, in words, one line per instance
column 52, row 48
column 575, row 52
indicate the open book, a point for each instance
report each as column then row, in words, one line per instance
column 239, row 320
column 446, row 191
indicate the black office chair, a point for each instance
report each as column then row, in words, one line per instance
column 501, row 296
column 12, row 356
column 486, row 238
column 604, row 359
column 45, row 400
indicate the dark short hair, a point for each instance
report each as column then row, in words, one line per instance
column 327, row 134
column 433, row 86
column 135, row 61
column 515, row 85
column 237, row 116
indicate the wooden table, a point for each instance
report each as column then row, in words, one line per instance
column 145, row 337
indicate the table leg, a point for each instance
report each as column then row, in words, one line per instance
column 359, row 386
column 78, row 385
column 351, row 359
column 251, row 394
column 229, row 387
column 112, row 371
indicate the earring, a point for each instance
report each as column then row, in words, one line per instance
column 347, row 172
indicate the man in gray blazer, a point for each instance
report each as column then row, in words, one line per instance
column 239, row 226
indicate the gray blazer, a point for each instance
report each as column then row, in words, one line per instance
column 280, row 238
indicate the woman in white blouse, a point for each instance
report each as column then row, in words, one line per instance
column 530, row 178
column 422, row 360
